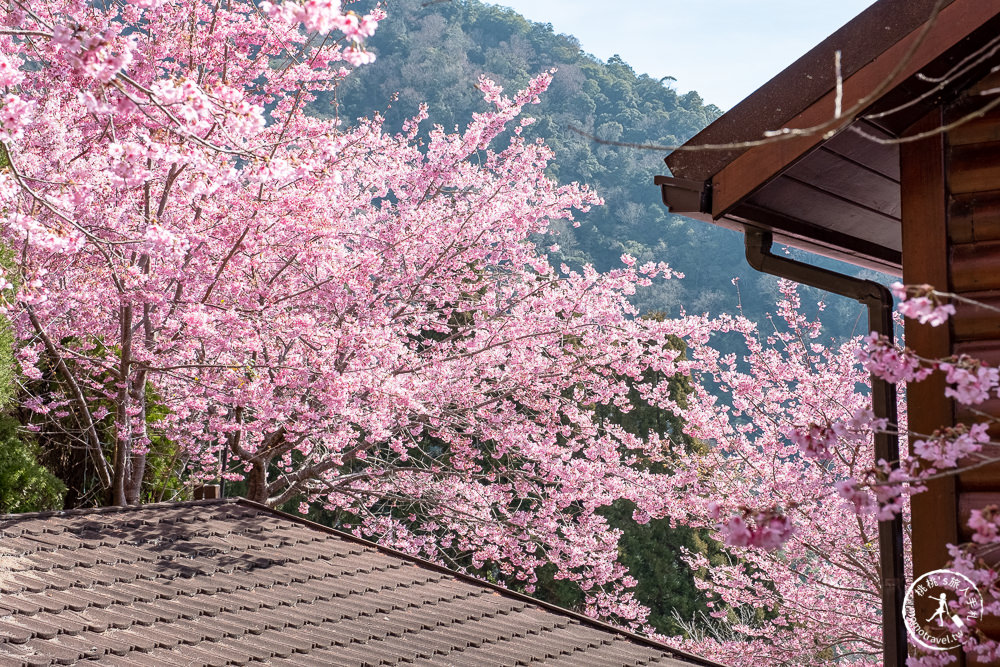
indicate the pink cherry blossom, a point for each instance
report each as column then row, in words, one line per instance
column 10, row 74
column 950, row 446
column 775, row 508
column 971, row 381
column 986, row 525
column 815, row 440
column 772, row 531
column 922, row 304
column 884, row 360
column 736, row 533
column 361, row 319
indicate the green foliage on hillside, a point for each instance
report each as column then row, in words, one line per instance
column 8, row 387
column 654, row 550
column 7, row 384
column 25, row 484
column 435, row 52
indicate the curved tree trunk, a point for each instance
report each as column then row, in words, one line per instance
column 257, row 480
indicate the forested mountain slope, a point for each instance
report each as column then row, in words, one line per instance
column 434, row 52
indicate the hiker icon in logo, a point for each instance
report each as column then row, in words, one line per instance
column 943, row 609
column 957, row 606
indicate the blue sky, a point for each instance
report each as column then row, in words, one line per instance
column 724, row 49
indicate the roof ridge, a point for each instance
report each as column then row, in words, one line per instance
column 113, row 509
column 572, row 616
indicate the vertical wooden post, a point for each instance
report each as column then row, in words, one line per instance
column 925, row 260
column 923, row 188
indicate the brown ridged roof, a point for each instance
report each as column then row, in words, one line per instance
column 832, row 186
column 802, row 83
column 232, row 582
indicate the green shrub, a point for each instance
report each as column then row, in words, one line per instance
column 25, row 484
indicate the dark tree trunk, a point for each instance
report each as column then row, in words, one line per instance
column 257, row 480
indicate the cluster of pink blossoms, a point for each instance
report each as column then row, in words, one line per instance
column 324, row 16
column 883, row 359
column 986, row 525
column 789, row 550
column 922, row 303
column 776, row 483
column 816, row 440
column 763, row 530
column 970, row 382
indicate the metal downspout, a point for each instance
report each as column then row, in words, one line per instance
column 878, row 299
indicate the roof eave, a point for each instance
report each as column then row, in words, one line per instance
column 802, row 84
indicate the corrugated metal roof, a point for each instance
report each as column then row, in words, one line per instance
column 232, row 582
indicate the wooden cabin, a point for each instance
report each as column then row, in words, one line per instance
column 893, row 165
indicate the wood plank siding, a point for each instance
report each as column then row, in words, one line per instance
column 950, row 190
column 951, row 238
column 973, row 184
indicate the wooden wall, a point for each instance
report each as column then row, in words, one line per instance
column 950, row 187
column 951, row 239
column 973, row 188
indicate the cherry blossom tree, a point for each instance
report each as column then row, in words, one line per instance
column 129, row 132
column 792, row 489
column 363, row 320
column 326, row 311
column 801, row 584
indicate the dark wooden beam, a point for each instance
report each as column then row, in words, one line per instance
column 925, row 260
column 758, row 165
column 823, row 241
